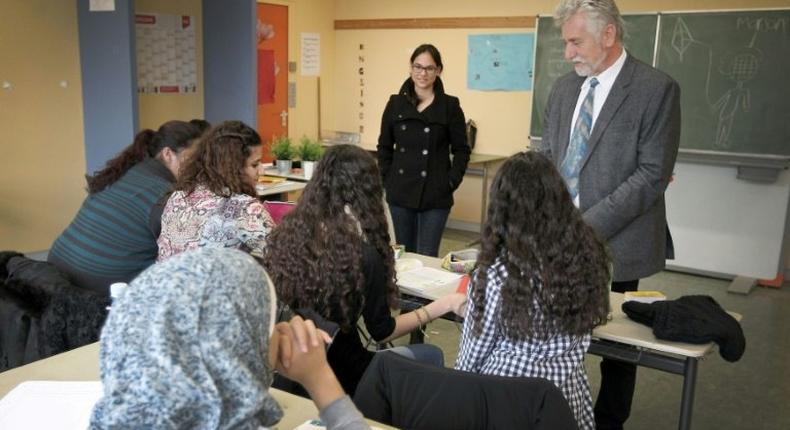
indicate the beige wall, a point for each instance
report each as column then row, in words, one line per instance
column 503, row 118
column 373, row 9
column 156, row 109
column 41, row 149
column 42, row 156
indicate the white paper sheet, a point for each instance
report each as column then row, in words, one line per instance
column 48, row 405
column 423, row 279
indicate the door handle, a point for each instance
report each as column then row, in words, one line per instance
column 284, row 118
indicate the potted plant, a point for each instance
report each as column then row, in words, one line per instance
column 310, row 152
column 283, row 151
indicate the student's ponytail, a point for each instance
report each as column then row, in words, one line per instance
column 138, row 151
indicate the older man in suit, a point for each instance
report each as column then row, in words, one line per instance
column 613, row 128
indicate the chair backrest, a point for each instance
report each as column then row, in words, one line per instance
column 412, row 395
column 278, row 210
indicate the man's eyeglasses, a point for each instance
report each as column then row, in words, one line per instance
column 419, row 68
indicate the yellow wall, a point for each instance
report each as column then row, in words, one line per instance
column 503, row 118
column 156, row 109
column 310, row 16
column 42, row 156
column 42, row 159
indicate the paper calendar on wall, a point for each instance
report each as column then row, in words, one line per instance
column 166, row 53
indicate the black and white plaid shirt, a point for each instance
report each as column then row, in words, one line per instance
column 558, row 358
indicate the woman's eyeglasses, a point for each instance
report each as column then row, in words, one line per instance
column 419, row 68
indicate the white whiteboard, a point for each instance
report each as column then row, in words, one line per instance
column 725, row 225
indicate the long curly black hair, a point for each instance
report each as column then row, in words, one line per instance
column 556, row 265
column 314, row 256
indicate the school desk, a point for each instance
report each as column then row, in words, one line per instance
column 282, row 190
column 479, row 164
column 82, row 364
column 272, row 171
column 620, row 339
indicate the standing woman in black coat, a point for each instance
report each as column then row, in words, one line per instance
column 421, row 127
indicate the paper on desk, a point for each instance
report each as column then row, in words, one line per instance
column 423, row 279
column 49, row 405
column 317, row 424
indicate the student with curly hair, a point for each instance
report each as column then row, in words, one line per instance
column 113, row 236
column 215, row 203
column 540, row 286
column 332, row 254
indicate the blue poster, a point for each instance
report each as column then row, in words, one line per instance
column 500, row 62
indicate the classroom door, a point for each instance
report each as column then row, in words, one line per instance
column 272, row 31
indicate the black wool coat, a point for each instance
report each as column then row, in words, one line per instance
column 414, row 150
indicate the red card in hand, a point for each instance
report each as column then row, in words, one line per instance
column 462, row 284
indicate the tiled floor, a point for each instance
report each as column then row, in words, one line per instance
column 752, row 393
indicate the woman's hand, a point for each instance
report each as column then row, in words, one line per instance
column 295, row 337
column 303, row 360
column 301, row 349
column 456, row 303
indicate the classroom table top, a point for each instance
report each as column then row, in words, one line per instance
column 279, row 188
column 619, row 328
column 272, row 171
column 475, row 158
column 82, row 364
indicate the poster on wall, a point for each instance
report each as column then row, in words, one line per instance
column 166, row 53
column 311, row 54
column 500, row 62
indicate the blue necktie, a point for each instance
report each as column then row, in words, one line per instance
column 577, row 147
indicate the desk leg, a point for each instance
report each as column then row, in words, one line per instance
column 687, row 401
column 484, row 199
column 416, row 337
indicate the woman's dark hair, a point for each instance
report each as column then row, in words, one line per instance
column 201, row 124
column 431, row 50
column 176, row 135
column 218, row 161
column 314, row 256
column 438, row 86
column 557, row 267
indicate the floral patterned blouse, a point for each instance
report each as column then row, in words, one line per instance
column 204, row 219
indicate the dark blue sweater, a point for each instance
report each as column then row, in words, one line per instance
column 113, row 237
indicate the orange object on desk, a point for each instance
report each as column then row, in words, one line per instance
column 462, row 284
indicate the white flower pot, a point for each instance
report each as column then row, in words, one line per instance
column 307, row 169
column 284, row 167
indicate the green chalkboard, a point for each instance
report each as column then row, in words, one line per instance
column 550, row 61
column 734, row 73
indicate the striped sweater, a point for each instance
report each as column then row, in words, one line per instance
column 113, row 237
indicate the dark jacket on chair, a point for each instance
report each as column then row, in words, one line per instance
column 407, row 394
column 42, row 313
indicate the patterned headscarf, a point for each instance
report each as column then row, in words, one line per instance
column 186, row 346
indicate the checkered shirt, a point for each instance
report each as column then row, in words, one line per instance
column 559, row 358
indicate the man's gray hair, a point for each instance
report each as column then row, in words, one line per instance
column 600, row 14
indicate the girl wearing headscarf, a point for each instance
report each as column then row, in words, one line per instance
column 191, row 344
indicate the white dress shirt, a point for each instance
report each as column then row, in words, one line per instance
column 605, row 82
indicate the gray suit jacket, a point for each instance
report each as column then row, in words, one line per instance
column 631, row 155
